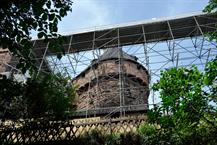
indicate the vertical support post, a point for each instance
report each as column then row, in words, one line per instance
column 173, row 48
column 207, row 59
column 147, row 58
column 153, row 102
column 70, row 42
column 95, row 74
column 110, row 126
column 121, row 85
column 201, row 32
column 177, row 60
column 145, row 49
column 201, row 48
column 39, row 69
column 168, row 45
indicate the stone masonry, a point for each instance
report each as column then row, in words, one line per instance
column 5, row 58
column 99, row 84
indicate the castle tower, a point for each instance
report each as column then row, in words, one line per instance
column 109, row 83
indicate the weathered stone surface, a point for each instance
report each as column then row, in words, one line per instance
column 5, row 58
column 99, row 84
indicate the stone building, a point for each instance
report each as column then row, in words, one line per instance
column 5, row 58
column 114, row 79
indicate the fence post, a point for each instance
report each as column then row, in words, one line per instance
column 110, row 128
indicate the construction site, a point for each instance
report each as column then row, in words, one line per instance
column 115, row 66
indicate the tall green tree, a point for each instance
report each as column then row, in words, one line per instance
column 48, row 96
column 42, row 94
column 187, row 113
column 19, row 18
column 188, row 110
column 211, row 8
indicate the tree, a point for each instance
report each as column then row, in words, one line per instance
column 189, row 104
column 45, row 93
column 187, row 114
column 47, row 96
column 211, row 7
column 19, row 19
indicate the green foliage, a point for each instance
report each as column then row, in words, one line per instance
column 44, row 94
column 211, row 8
column 19, row 19
column 210, row 81
column 130, row 138
column 148, row 133
column 147, row 129
column 187, row 114
column 10, row 95
column 113, row 139
column 185, row 94
column 95, row 137
column 50, row 93
column 39, row 96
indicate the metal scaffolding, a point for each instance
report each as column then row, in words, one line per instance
column 158, row 44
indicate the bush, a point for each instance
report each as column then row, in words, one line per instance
column 112, row 139
column 94, row 137
column 40, row 96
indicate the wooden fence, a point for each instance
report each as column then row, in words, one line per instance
column 67, row 130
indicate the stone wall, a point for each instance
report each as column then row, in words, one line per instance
column 5, row 58
column 99, row 86
column 106, row 94
column 105, row 68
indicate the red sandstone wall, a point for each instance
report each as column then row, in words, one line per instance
column 107, row 95
column 106, row 92
column 110, row 66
